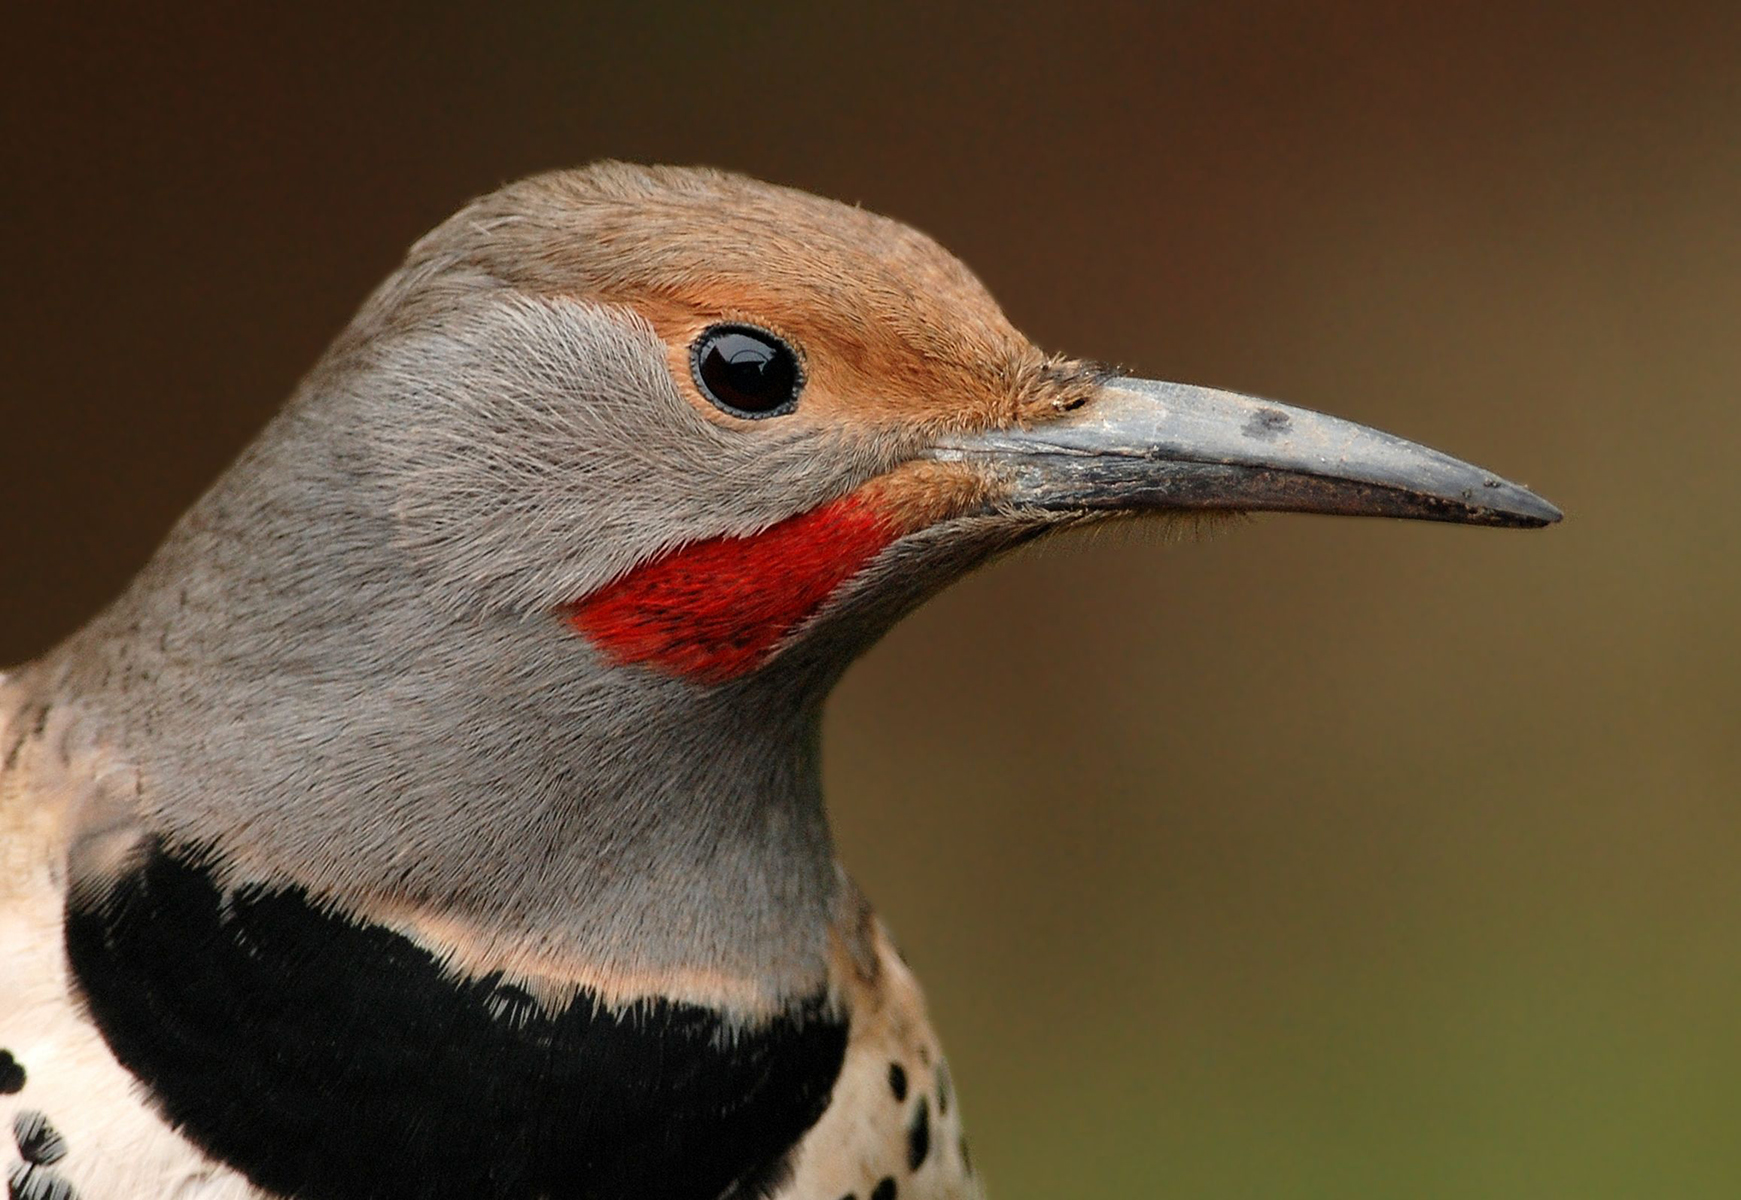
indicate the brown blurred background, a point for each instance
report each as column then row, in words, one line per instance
column 1345, row 858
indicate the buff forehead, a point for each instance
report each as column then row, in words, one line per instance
column 891, row 327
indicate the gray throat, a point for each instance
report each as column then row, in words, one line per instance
column 291, row 697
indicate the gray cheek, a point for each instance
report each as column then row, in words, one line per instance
column 533, row 449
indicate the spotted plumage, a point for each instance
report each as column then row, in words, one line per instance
column 39, row 1146
column 865, row 1140
column 439, row 812
column 37, row 1140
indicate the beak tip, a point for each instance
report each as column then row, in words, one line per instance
column 1517, row 507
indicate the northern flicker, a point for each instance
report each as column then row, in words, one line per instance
column 438, row 813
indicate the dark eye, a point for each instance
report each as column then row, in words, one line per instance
column 746, row 371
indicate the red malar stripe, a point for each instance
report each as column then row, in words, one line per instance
column 714, row 609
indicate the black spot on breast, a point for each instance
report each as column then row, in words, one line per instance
column 331, row 1060
column 898, row 1080
column 966, row 1158
column 11, row 1074
column 942, row 1089
column 919, row 1136
column 25, row 1181
column 37, row 1140
column 884, row 1190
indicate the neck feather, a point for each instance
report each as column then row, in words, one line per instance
column 485, row 780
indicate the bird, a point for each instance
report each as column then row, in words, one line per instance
column 438, row 812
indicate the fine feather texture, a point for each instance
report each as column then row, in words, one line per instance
column 329, row 1059
column 347, row 665
column 503, row 652
column 714, row 609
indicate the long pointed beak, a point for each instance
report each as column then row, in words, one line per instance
column 1142, row 445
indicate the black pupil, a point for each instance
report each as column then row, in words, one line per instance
column 747, row 371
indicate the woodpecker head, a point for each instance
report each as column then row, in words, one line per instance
column 694, row 417
column 522, row 611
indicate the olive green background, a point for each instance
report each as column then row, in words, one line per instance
column 1318, row 858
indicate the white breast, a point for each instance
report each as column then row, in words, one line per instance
column 116, row 1147
column 886, row 1134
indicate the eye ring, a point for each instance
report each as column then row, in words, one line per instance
column 746, row 370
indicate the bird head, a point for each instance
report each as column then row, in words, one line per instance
column 519, row 617
column 707, row 421
column 687, row 411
